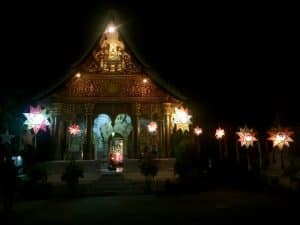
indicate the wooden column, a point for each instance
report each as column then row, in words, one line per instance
column 167, row 119
column 136, row 130
column 56, row 111
column 161, row 138
column 70, row 116
column 125, row 148
column 89, row 110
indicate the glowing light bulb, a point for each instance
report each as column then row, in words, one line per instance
column 248, row 138
column 111, row 29
column 145, row 80
column 78, row 75
column 280, row 137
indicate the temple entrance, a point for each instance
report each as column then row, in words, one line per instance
column 116, row 153
column 111, row 138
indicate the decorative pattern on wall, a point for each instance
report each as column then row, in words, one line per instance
column 113, row 87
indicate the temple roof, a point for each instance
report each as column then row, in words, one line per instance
column 136, row 57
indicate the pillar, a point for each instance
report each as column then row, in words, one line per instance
column 136, row 131
column 70, row 116
column 56, row 111
column 160, row 138
column 89, row 110
column 167, row 119
column 125, row 149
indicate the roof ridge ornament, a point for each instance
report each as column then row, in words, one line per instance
column 110, row 55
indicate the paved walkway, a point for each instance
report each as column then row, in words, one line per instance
column 218, row 207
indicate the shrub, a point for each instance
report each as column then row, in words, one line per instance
column 187, row 160
column 38, row 173
column 71, row 175
column 149, row 168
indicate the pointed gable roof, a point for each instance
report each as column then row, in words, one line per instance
column 138, row 61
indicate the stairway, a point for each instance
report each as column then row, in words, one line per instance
column 111, row 183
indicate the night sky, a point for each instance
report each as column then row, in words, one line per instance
column 224, row 57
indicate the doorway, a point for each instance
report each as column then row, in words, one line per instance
column 116, row 154
column 109, row 135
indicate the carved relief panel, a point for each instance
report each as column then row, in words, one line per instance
column 129, row 86
column 110, row 56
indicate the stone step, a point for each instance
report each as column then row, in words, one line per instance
column 110, row 187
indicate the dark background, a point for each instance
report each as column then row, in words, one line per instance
column 238, row 62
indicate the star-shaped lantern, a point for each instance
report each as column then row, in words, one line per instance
column 246, row 137
column 74, row 129
column 6, row 137
column 220, row 133
column 182, row 119
column 198, row 130
column 152, row 127
column 37, row 119
column 280, row 137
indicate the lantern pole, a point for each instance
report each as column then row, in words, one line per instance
column 225, row 148
column 198, row 131
column 282, row 159
column 237, row 151
column 248, row 160
column 259, row 154
column 70, row 144
column 220, row 149
column 35, row 145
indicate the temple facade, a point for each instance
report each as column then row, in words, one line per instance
column 111, row 105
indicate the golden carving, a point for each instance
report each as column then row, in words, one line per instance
column 56, row 108
column 129, row 86
column 110, row 56
column 167, row 108
column 113, row 88
column 89, row 108
column 69, row 108
column 137, row 109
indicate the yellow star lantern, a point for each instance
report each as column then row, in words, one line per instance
column 280, row 137
column 220, row 133
column 246, row 137
column 182, row 119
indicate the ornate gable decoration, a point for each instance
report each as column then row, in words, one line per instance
column 110, row 56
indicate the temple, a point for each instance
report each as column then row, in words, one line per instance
column 111, row 105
